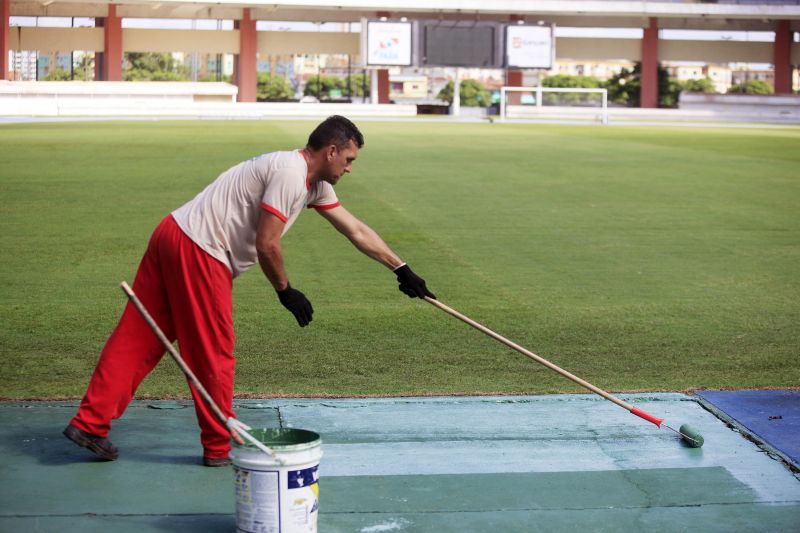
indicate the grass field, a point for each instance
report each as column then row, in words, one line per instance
column 638, row 258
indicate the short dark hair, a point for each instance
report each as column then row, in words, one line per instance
column 336, row 130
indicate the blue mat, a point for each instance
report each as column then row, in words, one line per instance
column 771, row 415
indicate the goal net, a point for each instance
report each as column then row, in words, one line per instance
column 556, row 103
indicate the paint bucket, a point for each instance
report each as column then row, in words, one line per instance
column 280, row 494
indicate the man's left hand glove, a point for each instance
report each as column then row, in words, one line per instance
column 296, row 302
column 411, row 284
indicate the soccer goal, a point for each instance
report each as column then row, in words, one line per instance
column 557, row 103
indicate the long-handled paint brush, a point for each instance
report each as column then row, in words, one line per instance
column 690, row 435
column 235, row 427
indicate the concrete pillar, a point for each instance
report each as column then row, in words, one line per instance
column 649, row 86
column 245, row 72
column 383, row 85
column 112, row 46
column 513, row 79
column 782, row 61
column 5, row 30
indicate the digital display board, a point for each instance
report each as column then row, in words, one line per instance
column 460, row 45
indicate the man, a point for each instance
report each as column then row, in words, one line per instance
column 185, row 279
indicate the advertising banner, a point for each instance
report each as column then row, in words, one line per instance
column 529, row 47
column 389, row 43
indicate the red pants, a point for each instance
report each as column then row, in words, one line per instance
column 189, row 294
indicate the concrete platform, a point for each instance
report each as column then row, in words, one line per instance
column 536, row 463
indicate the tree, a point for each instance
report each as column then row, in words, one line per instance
column 149, row 66
column 58, row 74
column 626, row 87
column 669, row 90
column 472, row 94
column 82, row 69
column 571, row 82
column 359, row 84
column 753, row 87
column 321, row 86
column 212, row 77
column 703, row 85
column 273, row 88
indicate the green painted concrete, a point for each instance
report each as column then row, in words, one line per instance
column 723, row 519
column 546, row 463
column 726, row 519
column 677, row 487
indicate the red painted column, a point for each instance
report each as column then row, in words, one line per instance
column 112, row 49
column 5, row 31
column 782, row 61
column 246, row 65
column 99, row 22
column 383, row 86
column 649, row 87
column 513, row 79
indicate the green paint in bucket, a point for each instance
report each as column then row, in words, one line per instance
column 280, row 494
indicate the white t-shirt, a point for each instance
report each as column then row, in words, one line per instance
column 223, row 219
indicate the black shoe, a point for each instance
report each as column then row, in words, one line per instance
column 102, row 447
column 223, row 461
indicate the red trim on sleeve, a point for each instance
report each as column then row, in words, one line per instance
column 270, row 209
column 324, row 206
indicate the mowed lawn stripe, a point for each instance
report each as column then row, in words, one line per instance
column 639, row 258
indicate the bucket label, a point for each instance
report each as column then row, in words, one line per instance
column 257, row 501
column 283, row 501
column 303, row 502
column 302, row 478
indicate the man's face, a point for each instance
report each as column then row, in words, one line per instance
column 339, row 162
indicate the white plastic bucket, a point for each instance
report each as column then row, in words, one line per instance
column 280, row 494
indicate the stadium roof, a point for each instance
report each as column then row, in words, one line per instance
column 672, row 14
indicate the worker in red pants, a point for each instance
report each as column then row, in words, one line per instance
column 185, row 279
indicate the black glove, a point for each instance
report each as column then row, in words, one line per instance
column 296, row 302
column 411, row 284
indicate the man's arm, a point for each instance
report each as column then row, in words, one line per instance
column 370, row 243
column 270, row 253
column 270, row 257
column 362, row 236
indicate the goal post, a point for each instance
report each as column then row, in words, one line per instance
column 583, row 104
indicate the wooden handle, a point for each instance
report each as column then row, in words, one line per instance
column 528, row 353
column 178, row 359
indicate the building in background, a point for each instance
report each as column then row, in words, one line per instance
column 207, row 67
column 720, row 76
column 403, row 88
column 742, row 72
column 601, row 70
column 47, row 64
column 300, row 68
column 24, row 65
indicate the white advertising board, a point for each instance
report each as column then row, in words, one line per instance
column 530, row 47
column 389, row 43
